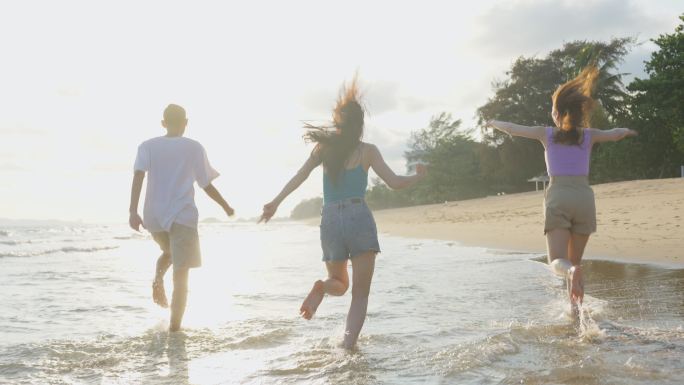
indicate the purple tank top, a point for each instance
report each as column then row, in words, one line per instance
column 563, row 159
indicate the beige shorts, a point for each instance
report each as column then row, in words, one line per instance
column 569, row 204
column 182, row 242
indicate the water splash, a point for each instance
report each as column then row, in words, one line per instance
column 589, row 329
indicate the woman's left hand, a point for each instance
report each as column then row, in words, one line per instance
column 269, row 210
column 421, row 170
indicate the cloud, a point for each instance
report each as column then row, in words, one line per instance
column 69, row 91
column 413, row 104
column 319, row 102
column 633, row 64
column 12, row 167
column 382, row 96
column 379, row 97
column 20, row 129
column 526, row 28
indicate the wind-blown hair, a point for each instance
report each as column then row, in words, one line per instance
column 574, row 103
column 336, row 141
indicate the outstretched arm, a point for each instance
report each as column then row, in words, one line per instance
column 612, row 135
column 214, row 194
column 134, row 219
column 536, row 132
column 270, row 208
column 385, row 173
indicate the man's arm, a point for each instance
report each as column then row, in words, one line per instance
column 134, row 219
column 214, row 194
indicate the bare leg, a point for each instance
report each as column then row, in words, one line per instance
column 180, row 297
column 336, row 284
column 576, row 247
column 363, row 266
column 557, row 241
column 575, row 252
column 158, row 293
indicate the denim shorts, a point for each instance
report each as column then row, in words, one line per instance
column 347, row 230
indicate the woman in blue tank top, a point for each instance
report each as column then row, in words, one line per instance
column 348, row 229
column 569, row 209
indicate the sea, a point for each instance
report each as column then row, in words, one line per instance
column 76, row 308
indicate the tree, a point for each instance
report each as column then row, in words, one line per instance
column 657, row 108
column 379, row 196
column 453, row 159
column 525, row 98
column 308, row 208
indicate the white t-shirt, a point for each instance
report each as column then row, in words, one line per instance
column 172, row 164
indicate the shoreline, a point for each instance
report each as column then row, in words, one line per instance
column 638, row 221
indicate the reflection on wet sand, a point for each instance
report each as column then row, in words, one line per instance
column 650, row 290
column 637, row 291
column 173, row 346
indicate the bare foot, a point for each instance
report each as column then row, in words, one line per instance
column 312, row 300
column 576, row 286
column 158, row 293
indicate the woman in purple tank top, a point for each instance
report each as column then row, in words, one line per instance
column 569, row 210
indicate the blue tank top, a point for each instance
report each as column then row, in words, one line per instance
column 351, row 183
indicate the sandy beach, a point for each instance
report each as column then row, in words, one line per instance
column 638, row 221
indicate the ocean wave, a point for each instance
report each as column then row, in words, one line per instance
column 14, row 243
column 128, row 237
column 50, row 359
column 4, row 233
column 66, row 249
column 46, row 240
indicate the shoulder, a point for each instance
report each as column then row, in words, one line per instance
column 149, row 142
column 369, row 148
column 369, row 153
column 190, row 141
column 316, row 152
column 192, row 144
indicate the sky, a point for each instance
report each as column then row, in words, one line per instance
column 82, row 83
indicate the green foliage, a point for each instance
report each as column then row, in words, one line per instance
column 453, row 158
column 461, row 167
column 307, row 208
column 379, row 197
column 657, row 107
column 525, row 98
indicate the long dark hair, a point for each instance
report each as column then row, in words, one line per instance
column 337, row 140
column 574, row 103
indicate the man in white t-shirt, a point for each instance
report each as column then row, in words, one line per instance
column 173, row 164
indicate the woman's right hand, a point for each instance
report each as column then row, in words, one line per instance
column 421, row 170
column 269, row 210
column 630, row 132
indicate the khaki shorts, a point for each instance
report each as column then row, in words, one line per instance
column 569, row 204
column 182, row 242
